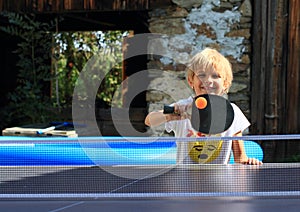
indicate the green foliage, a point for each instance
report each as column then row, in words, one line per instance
column 74, row 50
column 49, row 65
column 292, row 159
column 28, row 102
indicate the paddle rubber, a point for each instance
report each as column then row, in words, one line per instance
column 215, row 118
column 211, row 114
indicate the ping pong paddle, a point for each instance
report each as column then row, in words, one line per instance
column 53, row 126
column 211, row 114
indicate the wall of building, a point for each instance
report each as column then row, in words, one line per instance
column 190, row 26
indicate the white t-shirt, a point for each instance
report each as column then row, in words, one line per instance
column 210, row 152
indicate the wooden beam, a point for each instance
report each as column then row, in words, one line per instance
column 67, row 4
column 293, row 74
column 40, row 5
column 258, row 67
column 1, row 5
column 81, row 5
column 57, row 5
column 270, row 114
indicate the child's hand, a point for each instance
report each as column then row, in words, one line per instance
column 252, row 161
column 183, row 110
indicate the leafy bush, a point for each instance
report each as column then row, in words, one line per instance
column 74, row 50
column 49, row 65
column 28, row 102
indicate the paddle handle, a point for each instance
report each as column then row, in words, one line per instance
column 168, row 109
column 42, row 131
column 39, row 132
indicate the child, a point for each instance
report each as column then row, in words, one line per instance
column 208, row 72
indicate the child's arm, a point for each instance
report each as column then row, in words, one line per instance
column 157, row 118
column 239, row 153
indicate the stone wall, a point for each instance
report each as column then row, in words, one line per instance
column 190, row 26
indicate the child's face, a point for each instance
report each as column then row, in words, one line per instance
column 207, row 82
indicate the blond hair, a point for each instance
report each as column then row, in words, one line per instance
column 211, row 58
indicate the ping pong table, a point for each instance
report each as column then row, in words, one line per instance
column 270, row 187
column 167, row 187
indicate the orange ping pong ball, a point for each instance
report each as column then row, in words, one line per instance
column 201, row 103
